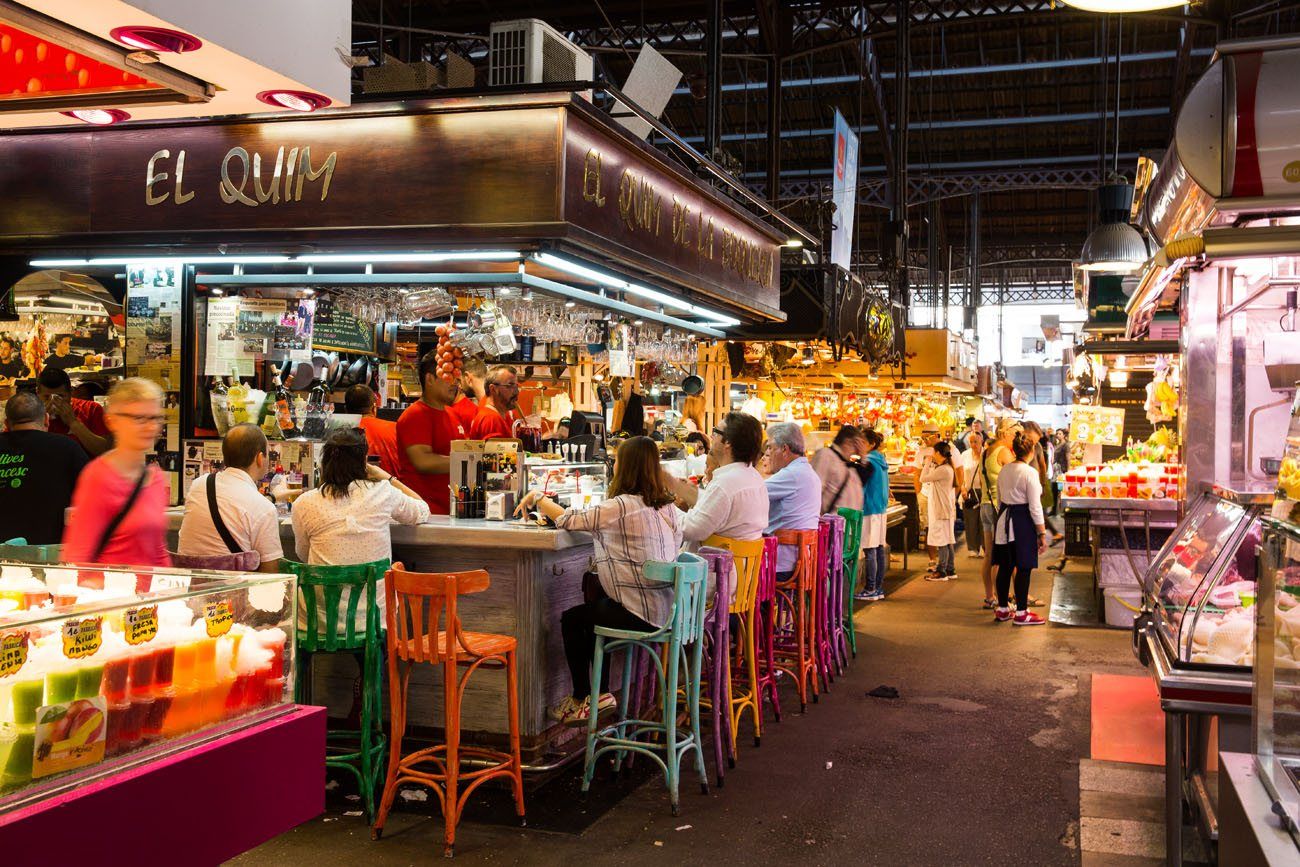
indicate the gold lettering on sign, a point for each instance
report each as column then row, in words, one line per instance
column 704, row 236
column 151, row 177
column 638, row 203
column 306, row 172
column 591, row 178
column 681, row 223
column 272, row 195
column 181, row 196
column 230, row 192
column 745, row 259
column 281, row 185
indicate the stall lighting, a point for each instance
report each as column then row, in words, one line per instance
column 577, row 270
column 159, row 39
column 794, row 243
column 294, row 100
column 1122, row 7
column 1118, row 378
column 98, row 116
column 570, row 304
column 146, row 260
column 445, row 256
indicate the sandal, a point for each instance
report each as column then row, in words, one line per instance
column 1035, row 602
column 990, row 603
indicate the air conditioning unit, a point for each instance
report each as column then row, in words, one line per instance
column 530, row 51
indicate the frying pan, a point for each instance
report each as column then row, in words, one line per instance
column 353, row 374
column 693, row 385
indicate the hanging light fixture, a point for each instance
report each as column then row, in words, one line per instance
column 1114, row 246
column 1123, row 6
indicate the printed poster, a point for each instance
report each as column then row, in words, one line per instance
column 225, row 347
column 844, row 191
column 199, row 457
column 69, row 735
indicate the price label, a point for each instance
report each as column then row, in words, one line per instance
column 219, row 616
column 81, row 638
column 140, row 624
column 13, row 652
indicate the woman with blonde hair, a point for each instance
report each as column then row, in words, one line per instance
column 120, row 503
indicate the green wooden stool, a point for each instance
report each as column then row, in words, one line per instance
column 852, row 555
column 18, row 549
column 330, row 627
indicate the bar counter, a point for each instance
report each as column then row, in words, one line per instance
column 536, row 574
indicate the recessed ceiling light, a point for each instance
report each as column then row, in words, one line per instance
column 158, row 39
column 98, row 116
column 294, row 100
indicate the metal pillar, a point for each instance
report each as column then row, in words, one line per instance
column 973, row 291
column 713, row 67
column 773, row 128
column 898, row 215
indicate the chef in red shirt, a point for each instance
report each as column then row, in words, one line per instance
column 381, row 435
column 496, row 413
column 424, row 436
column 472, row 390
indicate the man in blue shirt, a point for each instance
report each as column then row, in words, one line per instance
column 794, row 490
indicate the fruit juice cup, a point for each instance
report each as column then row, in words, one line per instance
column 89, row 678
column 274, row 692
column 116, row 671
column 205, row 661
column 133, row 729
column 273, row 640
column 61, row 686
column 183, row 713
column 183, row 670
column 17, row 767
column 155, row 720
column 164, row 666
column 119, row 718
column 235, row 639
column 27, row 696
column 235, row 698
column 143, row 663
column 35, row 598
column 214, row 701
column 255, row 689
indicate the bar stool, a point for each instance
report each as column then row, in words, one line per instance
column 327, row 624
column 748, row 559
column 18, row 549
column 765, row 629
column 416, row 601
column 833, row 615
column 796, row 616
column 717, row 655
column 685, row 628
column 852, row 556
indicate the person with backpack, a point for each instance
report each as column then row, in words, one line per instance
column 837, row 466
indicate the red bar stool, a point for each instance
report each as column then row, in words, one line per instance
column 416, row 601
column 796, row 615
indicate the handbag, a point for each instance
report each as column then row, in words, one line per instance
column 112, row 526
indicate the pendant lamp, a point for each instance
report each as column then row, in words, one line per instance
column 1114, row 247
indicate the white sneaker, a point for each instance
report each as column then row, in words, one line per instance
column 605, row 702
column 571, row 712
column 876, row 597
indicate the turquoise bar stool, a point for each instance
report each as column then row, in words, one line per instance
column 678, row 667
column 18, row 549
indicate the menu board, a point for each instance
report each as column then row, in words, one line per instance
column 1097, row 425
column 340, row 331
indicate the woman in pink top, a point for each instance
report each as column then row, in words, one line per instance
column 105, row 488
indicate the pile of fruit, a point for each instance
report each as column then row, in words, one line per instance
column 451, row 358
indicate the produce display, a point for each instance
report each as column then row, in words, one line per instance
column 1126, row 479
column 451, row 358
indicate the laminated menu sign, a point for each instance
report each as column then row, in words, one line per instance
column 218, row 617
column 69, row 735
column 13, row 652
column 81, row 638
column 1097, row 425
column 140, row 624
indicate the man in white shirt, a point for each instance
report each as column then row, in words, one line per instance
column 794, row 490
column 735, row 502
column 249, row 519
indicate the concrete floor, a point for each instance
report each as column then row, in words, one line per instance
column 977, row 762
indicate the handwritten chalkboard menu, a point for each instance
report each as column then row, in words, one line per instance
column 341, row 331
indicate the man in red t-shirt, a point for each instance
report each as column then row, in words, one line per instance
column 83, row 420
column 472, row 376
column 424, row 436
column 381, row 436
column 494, row 418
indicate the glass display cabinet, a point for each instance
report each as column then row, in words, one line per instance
column 102, row 670
column 1276, row 717
column 571, row 484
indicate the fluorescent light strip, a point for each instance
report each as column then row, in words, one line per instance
column 450, row 256
column 655, row 295
column 154, row 260
column 572, row 292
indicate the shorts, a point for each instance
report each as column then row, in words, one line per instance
column 988, row 517
column 873, row 531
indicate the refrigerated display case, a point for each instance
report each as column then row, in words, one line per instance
column 571, row 484
column 104, row 671
column 1276, row 717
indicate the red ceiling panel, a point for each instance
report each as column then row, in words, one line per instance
column 31, row 67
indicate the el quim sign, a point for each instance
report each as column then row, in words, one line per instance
column 246, row 179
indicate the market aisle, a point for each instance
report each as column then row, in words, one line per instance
column 976, row 762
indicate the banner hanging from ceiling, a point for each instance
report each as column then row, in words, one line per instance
column 844, row 191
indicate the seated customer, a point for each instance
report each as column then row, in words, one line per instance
column 637, row 522
column 83, row 420
column 735, row 502
column 381, row 436
column 243, row 519
column 38, row 473
column 346, row 520
column 794, row 491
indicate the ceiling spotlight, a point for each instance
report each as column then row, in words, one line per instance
column 794, row 243
column 98, row 116
column 294, row 100
column 570, row 304
column 809, row 357
column 158, row 39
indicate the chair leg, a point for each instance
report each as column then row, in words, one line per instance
column 397, row 685
column 516, row 770
column 671, row 767
column 451, row 794
column 716, row 710
column 751, row 667
column 597, row 666
column 694, row 670
column 367, row 738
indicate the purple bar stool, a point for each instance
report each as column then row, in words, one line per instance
column 765, row 602
column 716, row 666
column 821, row 649
column 839, row 642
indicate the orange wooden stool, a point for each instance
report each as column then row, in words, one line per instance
column 415, row 604
column 796, row 619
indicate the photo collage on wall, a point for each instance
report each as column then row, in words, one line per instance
column 153, row 349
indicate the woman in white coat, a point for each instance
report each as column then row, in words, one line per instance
column 942, row 511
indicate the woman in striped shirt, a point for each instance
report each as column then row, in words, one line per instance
column 637, row 522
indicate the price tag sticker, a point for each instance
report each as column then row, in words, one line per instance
column 140, row 625
column 81, row 638
column 219, row 617
column 13, row 652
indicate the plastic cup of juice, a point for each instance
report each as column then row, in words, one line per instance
column 183, row 713
column 154, row 723
column 273, row 640
column 119, row 718
column 183, row 671
column 61, row 686
column 17, row 767
column 116, row 671
column 235, row 698
column 164, row 666
column 88, row 679
column 235, row 639
column 27, row 696
column 142, row 666
column 133, row 730
column 205, row 661
column 214, row 700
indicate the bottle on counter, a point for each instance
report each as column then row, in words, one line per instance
column 284, row 413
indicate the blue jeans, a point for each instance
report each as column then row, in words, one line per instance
column 873, row 581
column 947, row 564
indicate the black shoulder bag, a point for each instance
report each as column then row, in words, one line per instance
column 119, row 517
column 215, row 513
